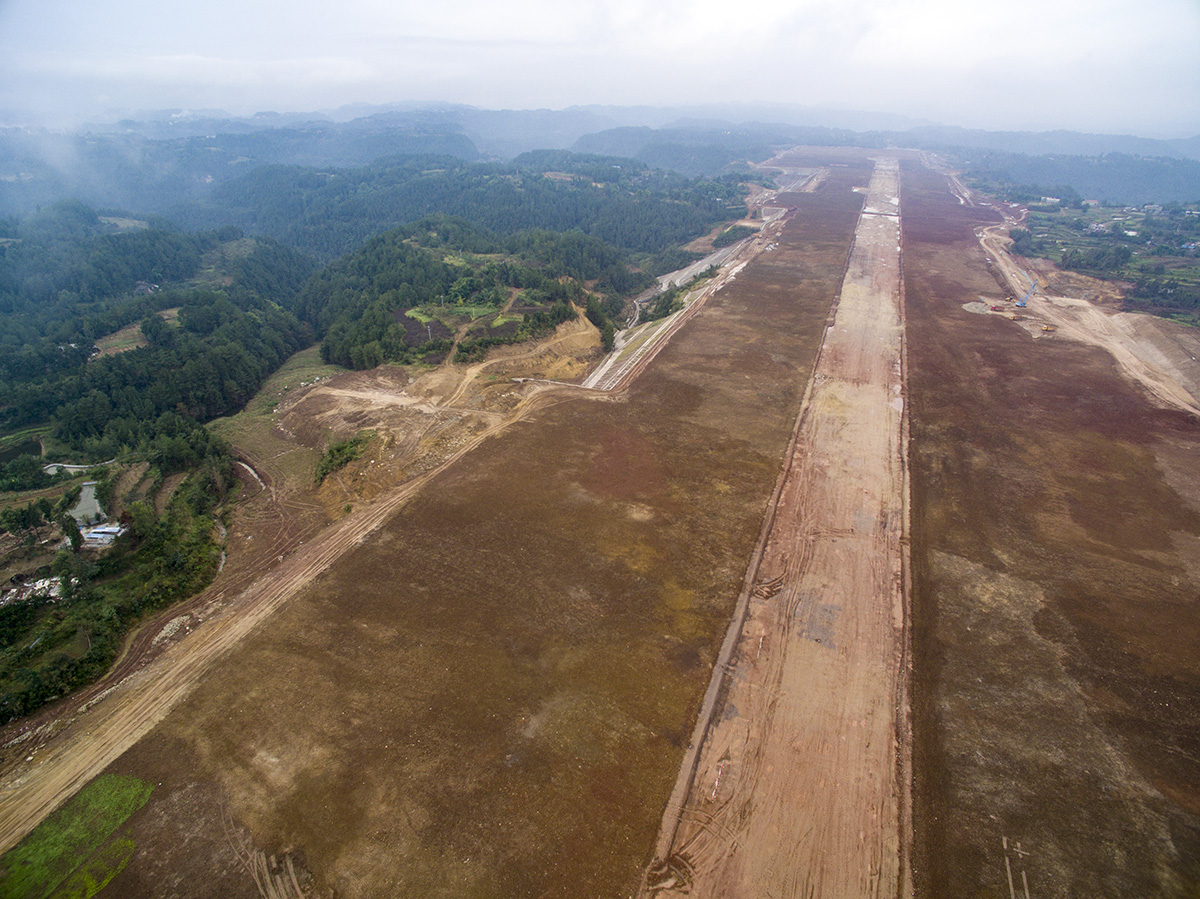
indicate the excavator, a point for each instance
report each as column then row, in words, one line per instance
column 1028, row 293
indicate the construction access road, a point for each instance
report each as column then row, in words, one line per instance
column 51, row 758
column 794, row 786
column 1159, row 357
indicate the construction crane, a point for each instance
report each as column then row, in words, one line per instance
column 1028, row 293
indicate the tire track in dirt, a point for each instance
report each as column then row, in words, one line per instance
column 76, row 741
column 793, row 787
column 136, row 698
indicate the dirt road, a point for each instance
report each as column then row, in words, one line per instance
column 1160, row 356
column 637, row 346
column 58, row 759
column 795, row 789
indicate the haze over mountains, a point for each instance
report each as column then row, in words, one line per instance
column 160, row 161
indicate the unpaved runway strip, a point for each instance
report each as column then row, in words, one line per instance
column 795, row 790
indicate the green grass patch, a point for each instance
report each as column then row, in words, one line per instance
column 96, row 873
column 733, row 234
column 472, row 312
column 253, row 429
column 505, row 319
column 339, row 455
column 303, row 368
column 62, row 851
column 128, row 338
column 423, row 317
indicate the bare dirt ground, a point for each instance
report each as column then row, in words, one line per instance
column 795, row 789
column 1056, row 553
column 59, row 750
column 1158, row 354
column 284, row 531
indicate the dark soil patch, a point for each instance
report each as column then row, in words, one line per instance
column 1057, row 691
column 420, row 333
column 489, row 697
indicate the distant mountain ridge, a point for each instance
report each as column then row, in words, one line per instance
column 156, row 161
column 1066, row 143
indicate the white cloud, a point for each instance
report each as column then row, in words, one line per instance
column 1073, row 62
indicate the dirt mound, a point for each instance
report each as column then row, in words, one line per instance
column 1159, row 355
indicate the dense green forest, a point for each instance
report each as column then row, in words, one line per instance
column 49, row 646
column 207, row 323
column 403, row 295
column 151, row 167
column 329, row 213
column 215, row 312
column 121, row 335
column 68, row 277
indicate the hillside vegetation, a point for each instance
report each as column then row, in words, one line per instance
column 424, row 256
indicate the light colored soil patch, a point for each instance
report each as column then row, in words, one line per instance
column 1161, row 356
column 795, row 790
column 128, row 338
column 167, row 490
column 124, row 489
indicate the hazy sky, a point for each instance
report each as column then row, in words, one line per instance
column 1120, row 66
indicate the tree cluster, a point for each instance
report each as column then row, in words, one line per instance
column 331, row 213
column 49, row 647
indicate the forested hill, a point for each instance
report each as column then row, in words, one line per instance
column 402, row 296
column 204, row 313
column 1115, row 178
column 146, row 167
column 329, row 213
column 118, row 338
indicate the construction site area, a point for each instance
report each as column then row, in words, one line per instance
column 851, row 578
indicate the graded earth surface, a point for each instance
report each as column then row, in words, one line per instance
column 660, row 633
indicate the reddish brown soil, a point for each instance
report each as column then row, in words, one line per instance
column 794, row 790
column 1056, row 514
column 491, row 696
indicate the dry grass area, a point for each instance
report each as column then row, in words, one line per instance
column 1056, row 551
column 130, row 337
column 491, row 696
